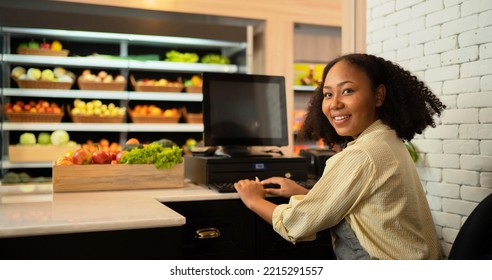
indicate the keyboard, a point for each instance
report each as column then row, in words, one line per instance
column 228, row 187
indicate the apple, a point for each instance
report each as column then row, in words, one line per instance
column 82, row 156
column 101, row 157
column 45, row 45
column 112, row 155
column 119, row 155
column 63, row 161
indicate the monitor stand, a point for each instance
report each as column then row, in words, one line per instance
column 239, row 151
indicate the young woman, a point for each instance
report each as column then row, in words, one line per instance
column 370, row 194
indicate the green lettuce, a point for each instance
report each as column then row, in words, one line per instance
column 154, row 153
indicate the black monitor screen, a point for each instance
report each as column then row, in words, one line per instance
column 244, row 110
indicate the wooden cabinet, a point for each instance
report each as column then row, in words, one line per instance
column 137, row 244
column 214, row 230
column 217, row 229
column 235, row 232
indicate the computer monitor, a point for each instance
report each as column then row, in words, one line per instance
column 241, row 111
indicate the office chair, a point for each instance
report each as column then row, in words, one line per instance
column 474, row 240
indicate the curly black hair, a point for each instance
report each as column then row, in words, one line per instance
column 408, row 108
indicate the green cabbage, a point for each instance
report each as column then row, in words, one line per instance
column 60, row 137
column 27, row 138
column 44, row 138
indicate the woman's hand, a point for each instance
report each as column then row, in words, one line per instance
column 250, row 191
column 287, row 188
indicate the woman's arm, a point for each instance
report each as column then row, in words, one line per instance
column 252, row 194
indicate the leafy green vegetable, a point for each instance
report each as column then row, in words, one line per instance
column 154, row 153
column 24, row 177
column 27, row 138
column 166, row 143
column 213, row 58
column 11, row 177
column 175, row 56
column 59, row 137
column 129, row 147
column 44, row 138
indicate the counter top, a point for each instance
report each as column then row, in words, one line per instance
column 36, row 210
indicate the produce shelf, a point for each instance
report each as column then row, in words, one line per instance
column 104, row 94
column 118, row 127
column 65, row 61
column 8, row 165
column 113, row 127
column 165, row 96
column 88, row 36
column 304, row 88
column 165, row 127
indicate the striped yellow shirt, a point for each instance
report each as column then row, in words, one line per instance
column 374, row 185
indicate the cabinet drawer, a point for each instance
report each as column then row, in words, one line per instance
column 219, row 229
column 270, row 245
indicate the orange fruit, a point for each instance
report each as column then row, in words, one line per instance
column 132, row 141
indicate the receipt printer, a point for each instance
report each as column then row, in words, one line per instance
column 317, row 158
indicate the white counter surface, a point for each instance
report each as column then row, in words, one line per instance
column 36, row 210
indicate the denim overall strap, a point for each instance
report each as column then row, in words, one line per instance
column 345, row 244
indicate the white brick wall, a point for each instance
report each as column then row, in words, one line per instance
column 448, row 44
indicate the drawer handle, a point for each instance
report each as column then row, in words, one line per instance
column 205, row 233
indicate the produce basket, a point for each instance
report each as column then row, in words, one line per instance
column 194, row 118
column 42, row 84
column 38, row 153
column 193, row 89
column 34, row 117
column 97, row 119
column 150, row 88
column 154, row 119
column 85, row 85
column 110, row 177
column 30, row 51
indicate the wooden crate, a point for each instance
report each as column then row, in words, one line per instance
column 150, row 88
column 85, row 85
column 110, row 177
column 33, row 117
column 97, row 119
column 194, row 89
column 154, row 119
column 29, row 51
column 38, row 153
column 42, row 84
column 194, row 118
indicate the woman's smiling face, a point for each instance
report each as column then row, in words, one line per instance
column 349, row 102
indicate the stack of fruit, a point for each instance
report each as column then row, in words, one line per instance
column 33, row 111
column 104, row 145
column 34, row 47
column 211, row 58
column 58, row 75
column 40, row 106
column 194, row 84
column 101, row 81
column 157, row 85
column 163, row 153
column 95, row 110
column 152, row 113
column 176, row 56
